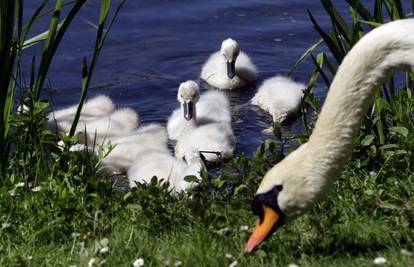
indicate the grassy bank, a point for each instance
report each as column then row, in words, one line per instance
column 56, row 210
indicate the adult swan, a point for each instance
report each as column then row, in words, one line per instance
column 296, row 183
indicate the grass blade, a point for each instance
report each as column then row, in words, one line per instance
column 395, row 9
column 53, row 25
column 28, row 26
column 39, row 38
column 357, row 31
column 360, row 9
column 338, row 20
column 328, row 40
column 105, row 5
column 7, row 56
column 85, row 78
column 87, row 74
column 319, row 62
column 48, row 55
column 378, row 14
column 372, row 24
column 304, row 56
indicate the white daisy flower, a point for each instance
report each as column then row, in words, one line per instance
column 406, row 252
column 75, row 235
column 138, row 262
column 91, row 262
column 104, row 250
column 380, row 260
column 244, row 228
column 36, row 189
column 222, row 231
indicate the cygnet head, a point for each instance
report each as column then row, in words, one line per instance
column 230, row 50
column 188, row 95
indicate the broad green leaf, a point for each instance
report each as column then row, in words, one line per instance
column 367, row 140
column 400, row 130
column 388, row 146
column 190, row 179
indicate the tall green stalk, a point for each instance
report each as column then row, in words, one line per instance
column 7, row 56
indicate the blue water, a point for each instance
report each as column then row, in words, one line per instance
column 156, row 44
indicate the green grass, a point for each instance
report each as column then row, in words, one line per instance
column 78, row 212
column 361, row 219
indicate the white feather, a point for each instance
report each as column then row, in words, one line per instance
column 164, row 166
column 214, row 71
column 213, row 106
column 213, row 132
column 97, row 107
column 280, row 96
column 132, row 147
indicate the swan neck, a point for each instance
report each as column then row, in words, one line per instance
column 378, row 55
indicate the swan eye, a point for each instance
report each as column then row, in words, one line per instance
column 278, row 188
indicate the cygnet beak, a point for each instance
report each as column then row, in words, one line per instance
column 231, row 69
column 188, row 110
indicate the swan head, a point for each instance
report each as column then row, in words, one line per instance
column 287, row 191
column 188, row 95
column 230, row 51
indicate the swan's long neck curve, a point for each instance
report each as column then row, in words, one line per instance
column 382, row 52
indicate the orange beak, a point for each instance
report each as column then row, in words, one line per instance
column 262, row 230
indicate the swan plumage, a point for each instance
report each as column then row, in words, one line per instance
column 229, row 68
column 96, row 107
column 296, row 183
column 213, row 106
column 98, row 119
column 280, row 96
column 119, row 123
column 131, row 147
column 212, row 137
column 213, row 133
column 165, row 166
